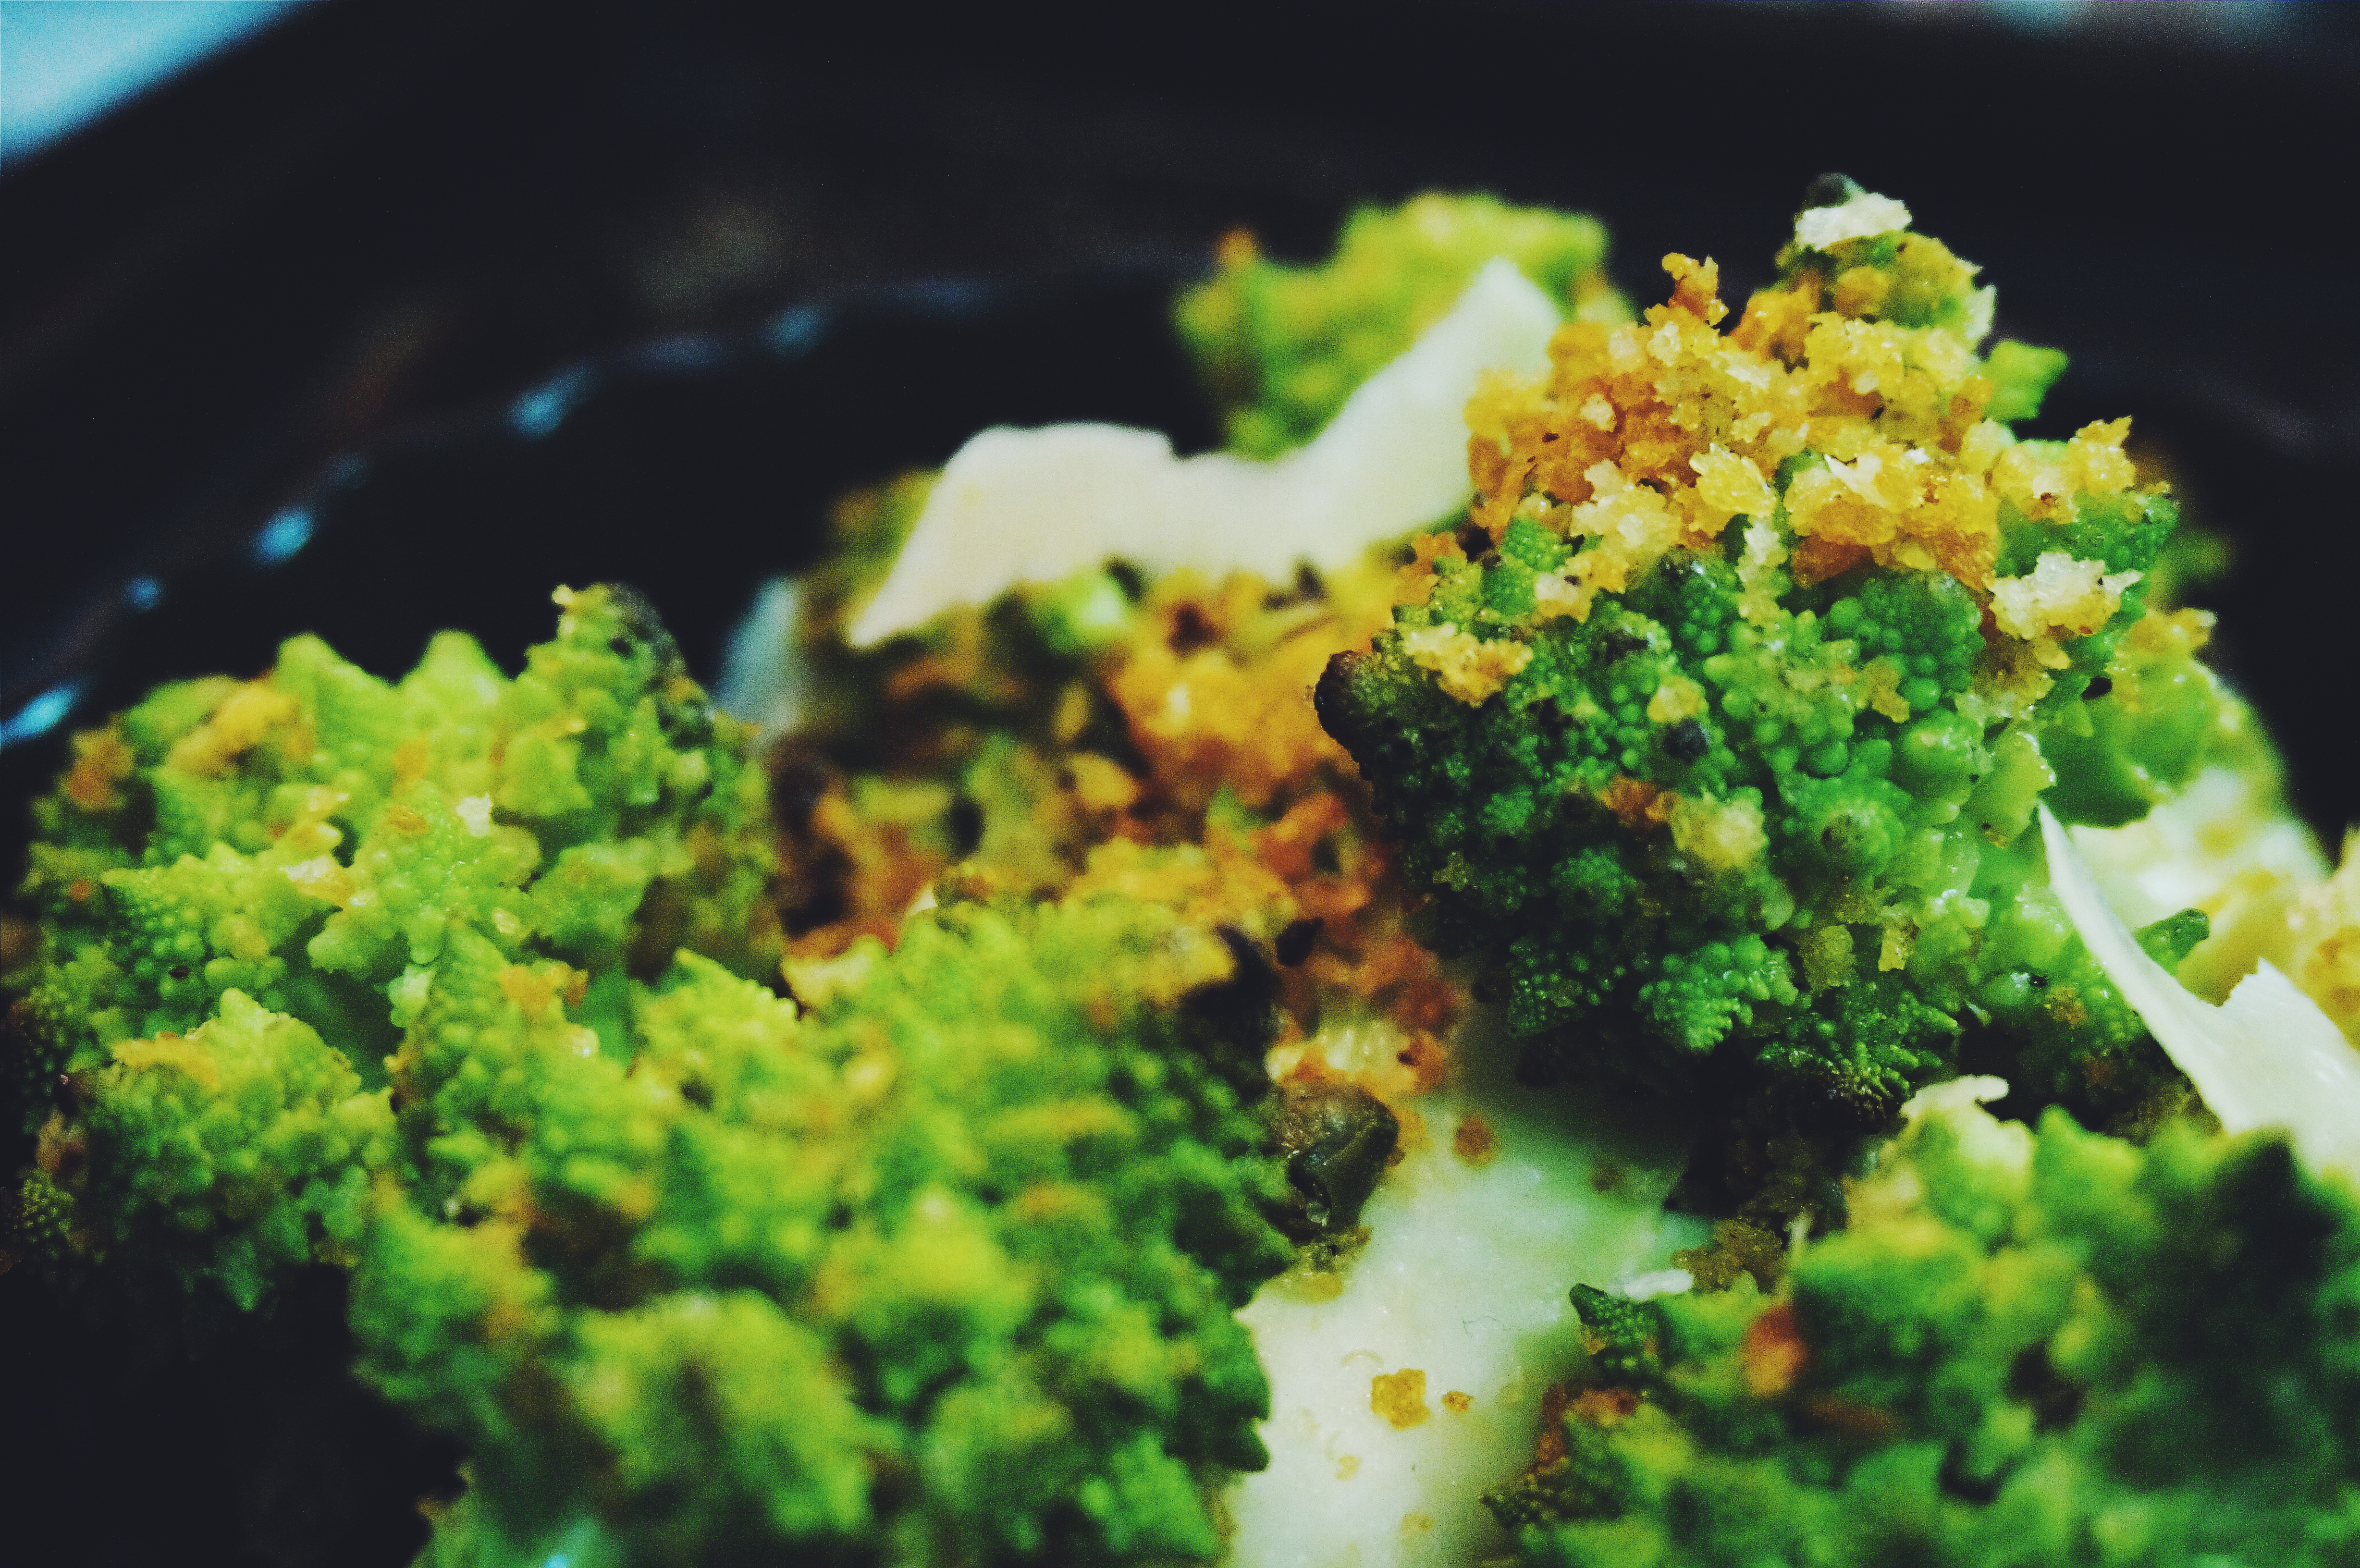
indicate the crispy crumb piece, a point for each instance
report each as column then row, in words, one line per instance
column 102, row 760
column 2059, row 594
column 1457, row 1403
column 1603, row 1407
column 1773, row 1354
column 1475, row 1142
column 1720, row 835
column 1399, row 1397
column 1472, row 669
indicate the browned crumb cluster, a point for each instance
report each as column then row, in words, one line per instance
column 1183, row 765
column 1658, row 433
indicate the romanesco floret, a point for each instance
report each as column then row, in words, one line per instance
column 311, row 838
column 945, row 1270
column 1720, row 727
column 451, row 983
column 239, row 1151
column 2027, row 1349
column 1282, row 347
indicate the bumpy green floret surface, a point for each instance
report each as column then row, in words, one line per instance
column 1625, row 951
column 1282, row 346
column 311, row 840
column 945, row 1272
column 1897, row 911
column 451, row 985
column 2028, row 1349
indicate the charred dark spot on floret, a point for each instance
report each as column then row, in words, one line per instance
column 798, row 779
column 658, row 928
column 1679, row 566
column 1618, row 643
column 1335, row 1139
column 965, row 824
column 1956, row 1481
column 1231, row 1022
column 1331, row 698
column 643, row 624
column 682, row 709
column 1830, row 190
column 1308, row 588
column 1688, row 740
column 1128, row 577
column 2033, row 1379
column 1295, row 943
column 1191, row 629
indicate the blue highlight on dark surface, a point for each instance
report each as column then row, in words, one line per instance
column 951, row 296
column 283, row 535
column 536, row 413
column 686, row 353
column 796, row 329
column 65, row 62
column 40, row 717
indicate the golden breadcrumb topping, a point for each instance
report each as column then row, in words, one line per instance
column 1659, row 433
column 1180, row 763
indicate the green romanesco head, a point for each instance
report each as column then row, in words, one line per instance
column 456, row 984
column 311, row 838
column 1281, row 347
column 1720, row 727
column 2028, row 1347
column 942, row 1271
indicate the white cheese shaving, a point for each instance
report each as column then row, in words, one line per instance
column 2059, row 593
column 2266, row 1058
column 1655, row 1282
column 1036, row 505
column 1954, row 1095
column 1865, row 215
column 2225, row 845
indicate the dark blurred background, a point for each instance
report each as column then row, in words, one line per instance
column 396, row 313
